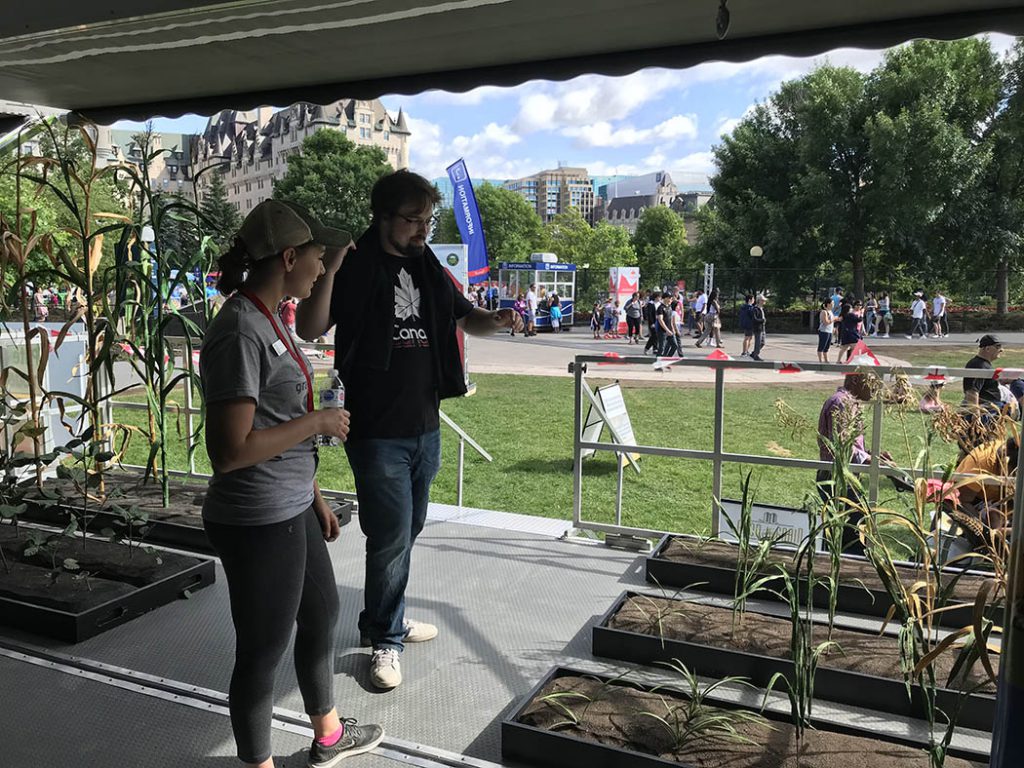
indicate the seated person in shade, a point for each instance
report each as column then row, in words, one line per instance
column 931, row 401
column 841, row 424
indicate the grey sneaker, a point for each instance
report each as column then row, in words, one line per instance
column 415, row 632
column 356, row 740
column 385, row 669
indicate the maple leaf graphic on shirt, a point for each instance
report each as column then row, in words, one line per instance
column 407, row 297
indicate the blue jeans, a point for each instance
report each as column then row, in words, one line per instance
column 393, row 477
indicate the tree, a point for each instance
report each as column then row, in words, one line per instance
column 660, row 242
column 511, row 226
column 332, row 177
column 51, row 214
column 221, row 219
column 569, row 236
column 838, row 170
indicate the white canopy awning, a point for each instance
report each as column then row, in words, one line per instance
column 121, row 59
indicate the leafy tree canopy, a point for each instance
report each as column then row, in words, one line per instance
column 333, row 177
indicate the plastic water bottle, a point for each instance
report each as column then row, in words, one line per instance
column 331, row 396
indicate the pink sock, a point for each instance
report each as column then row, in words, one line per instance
column 334, row 738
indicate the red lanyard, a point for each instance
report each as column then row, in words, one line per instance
column 288, row 344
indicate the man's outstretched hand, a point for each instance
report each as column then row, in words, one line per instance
column 509, row 318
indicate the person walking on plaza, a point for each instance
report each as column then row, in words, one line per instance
column 700, row 303
column 870, row 314
column 398, row 357
column 938, row 314
column 597, row 320
column 826, row 322
column 633, row 310
column 758, row 319
column 884, row 316
column 556, row 313
column 747, row 323
column 263, row 512
column 849, row 331
column 651, row 317
column 666, row 330
column 531, row 311
column 918, row 319
column 677, row 324
column 712, row 320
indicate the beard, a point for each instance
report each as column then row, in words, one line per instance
column 410, row 249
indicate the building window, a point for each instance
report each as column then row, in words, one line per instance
column 387, row 135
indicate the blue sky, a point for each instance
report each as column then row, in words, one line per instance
column 651, row 120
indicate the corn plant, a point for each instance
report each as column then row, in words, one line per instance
column 752, row 559
column 557, row 700
column 146, row 277
column 692, row 718
column 805, row 655
column 655, row 613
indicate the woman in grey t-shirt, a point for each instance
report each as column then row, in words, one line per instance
column 264, row 514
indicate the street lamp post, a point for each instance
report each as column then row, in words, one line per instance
column 756, row 252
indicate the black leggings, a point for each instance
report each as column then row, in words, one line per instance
column 633, row 327
column 278, row 576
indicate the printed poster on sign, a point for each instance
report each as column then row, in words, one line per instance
column 455, row 260
column 623, row 282
column 614, row 406
column 766, row 521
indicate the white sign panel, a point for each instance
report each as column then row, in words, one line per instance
column 614, row 407
column 766, row 522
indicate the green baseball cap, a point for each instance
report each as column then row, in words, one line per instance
column 274, row 225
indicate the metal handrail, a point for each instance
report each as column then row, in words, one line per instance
column 718, row 456
column 189, row 410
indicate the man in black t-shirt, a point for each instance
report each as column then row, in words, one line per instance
column 982, row 393
column 397, row 350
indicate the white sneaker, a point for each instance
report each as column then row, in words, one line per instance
column 415, row 632
column 885, row 336
column 385, row 669
column 418, row 631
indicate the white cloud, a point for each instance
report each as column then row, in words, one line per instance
column 693, row 170
column 469, row 98
column 602, row 134
column 590, row 99
column 430, row 153
column 493, row 137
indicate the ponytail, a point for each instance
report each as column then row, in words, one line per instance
column 233, row 264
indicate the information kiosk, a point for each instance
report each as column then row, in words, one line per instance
column 515, row 278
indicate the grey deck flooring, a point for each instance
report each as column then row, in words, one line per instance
column 509, row 604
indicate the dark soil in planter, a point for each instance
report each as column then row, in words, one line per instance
column 114, row 572
column 863, row 652
column 127, row 489
column 614, row 719
column 723, row 555
column 179, row 525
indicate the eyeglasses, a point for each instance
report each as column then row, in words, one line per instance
column 428, row 223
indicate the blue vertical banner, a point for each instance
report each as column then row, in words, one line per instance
column 467, row 217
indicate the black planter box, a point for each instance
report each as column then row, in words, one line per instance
column 72, row 627
column 840, row 686
column 538, row 747
column 851, row 598
column 191, row 538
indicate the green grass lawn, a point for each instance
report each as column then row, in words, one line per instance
column 526, row 424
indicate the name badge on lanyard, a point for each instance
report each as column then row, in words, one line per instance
column 281, row 346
